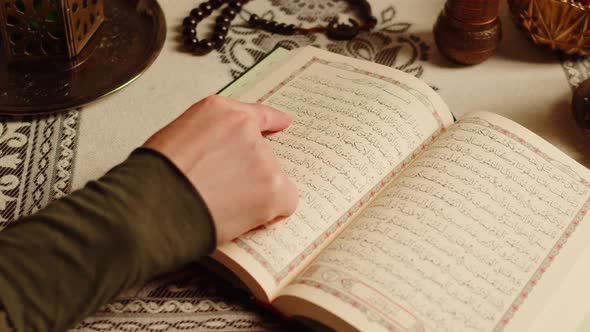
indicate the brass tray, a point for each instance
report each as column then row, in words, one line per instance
column 126, row 44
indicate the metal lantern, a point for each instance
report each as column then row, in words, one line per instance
column 47, row 29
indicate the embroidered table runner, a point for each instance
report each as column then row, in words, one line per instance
column 44, row 158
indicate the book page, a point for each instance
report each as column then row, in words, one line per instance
column 567, row 309
column 354, row 125
column 474, row 235
column 255, row 74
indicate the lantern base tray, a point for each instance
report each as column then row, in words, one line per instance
column 126, row 44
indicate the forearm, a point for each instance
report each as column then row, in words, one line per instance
column 141, row 219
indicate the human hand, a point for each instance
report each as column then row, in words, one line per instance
column 218, row 144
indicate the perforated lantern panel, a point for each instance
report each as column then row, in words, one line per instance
column 83, row 17
column 47, row 29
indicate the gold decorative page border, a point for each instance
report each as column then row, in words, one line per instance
column 280, row 275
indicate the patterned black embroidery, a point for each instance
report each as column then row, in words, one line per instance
column 390, row 45
column 246, row 46
column 311, row 10
column 404, row 52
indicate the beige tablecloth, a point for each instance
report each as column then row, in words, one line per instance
column 43, row 158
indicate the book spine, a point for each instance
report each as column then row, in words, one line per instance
column 271, row 308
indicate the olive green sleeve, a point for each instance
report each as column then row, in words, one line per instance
column 141, row 219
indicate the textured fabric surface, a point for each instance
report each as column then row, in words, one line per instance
column 61, row 264
column 37, row 163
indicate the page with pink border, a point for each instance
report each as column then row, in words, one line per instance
column 477, row 234
column 355, row 126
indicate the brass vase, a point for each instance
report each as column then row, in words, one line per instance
column 468, row 31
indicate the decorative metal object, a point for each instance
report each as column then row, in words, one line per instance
column 126, row 44
column 468, row 31
column 558, row 24
column 48, row 29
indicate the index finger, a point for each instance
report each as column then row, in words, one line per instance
column 269, row 119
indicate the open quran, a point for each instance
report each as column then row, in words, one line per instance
column 408, row 220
